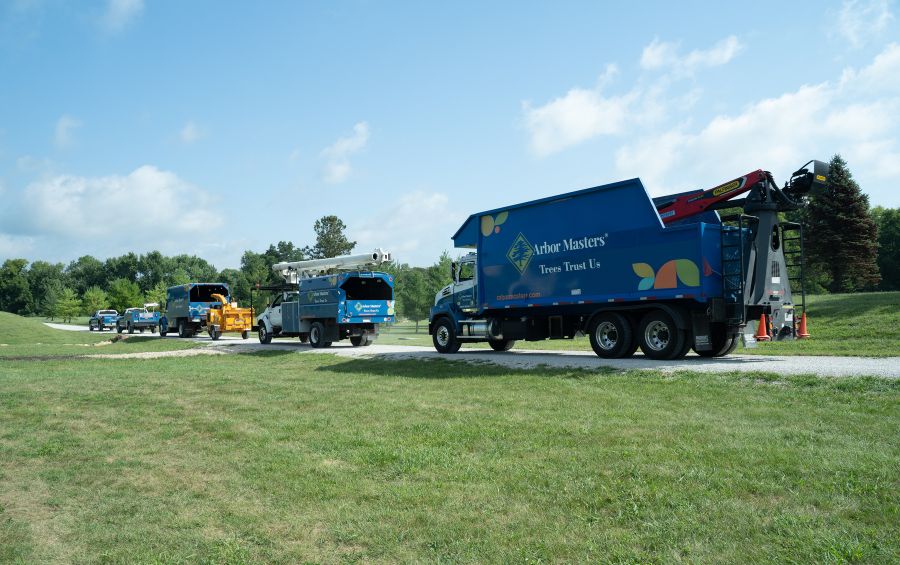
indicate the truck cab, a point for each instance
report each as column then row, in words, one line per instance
column 462, row 292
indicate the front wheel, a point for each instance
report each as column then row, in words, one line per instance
column 502, row 344
column 659, row 337
column 245, row 334
column 214, row 333
column 119, row 328
column 265, row 337
column 130, row 329
column 444, row 337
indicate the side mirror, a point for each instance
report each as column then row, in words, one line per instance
column 453, row 271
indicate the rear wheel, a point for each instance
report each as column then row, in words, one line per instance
column 214, row 333
column 130, row 328
column 304, row 337
column 119, row 328
column 444, row 337
column 502, row 344
column 659, row 337
column 317, row 335
column 611, row 336
column 183, row 330
column 722, row 344
column 360, row 340
column 245, row 334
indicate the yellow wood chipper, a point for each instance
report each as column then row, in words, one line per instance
column 228, row 317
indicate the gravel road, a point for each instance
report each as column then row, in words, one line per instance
column 527, row 359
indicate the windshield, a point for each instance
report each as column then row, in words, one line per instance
column 466, row 271
column 204, row 292
column 108, row 312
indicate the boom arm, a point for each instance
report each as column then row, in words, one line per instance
column 692, row 203
column 295, row 270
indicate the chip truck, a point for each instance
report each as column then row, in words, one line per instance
column 665, row 275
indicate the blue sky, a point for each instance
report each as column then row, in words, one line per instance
column 212, row 127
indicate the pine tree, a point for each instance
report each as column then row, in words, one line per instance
column 841, row 235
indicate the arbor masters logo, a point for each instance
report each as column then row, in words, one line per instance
column 520, row 253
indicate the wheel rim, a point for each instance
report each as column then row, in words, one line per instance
column 262, row 333
column 443, row 336
column 657, row 335
column 314, row 335
column 607, row 335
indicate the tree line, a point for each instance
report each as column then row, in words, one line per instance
column 849, row 247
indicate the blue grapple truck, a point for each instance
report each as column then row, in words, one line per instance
column 666, row 274
column 138, row 318
column 187, row 307
column 324, row 308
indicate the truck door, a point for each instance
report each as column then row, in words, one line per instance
column 275, row 311
column 464, row 286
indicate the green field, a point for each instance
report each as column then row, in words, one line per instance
column 841, row 324
column 280, row 458
column 29, row 337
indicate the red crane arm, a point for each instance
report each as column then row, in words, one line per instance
column 693, row 203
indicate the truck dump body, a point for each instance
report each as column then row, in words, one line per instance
column 598, row 245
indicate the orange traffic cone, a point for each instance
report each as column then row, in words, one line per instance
column 762, row 331
column 803, row 333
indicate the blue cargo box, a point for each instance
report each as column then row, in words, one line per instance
column 602, row 244
column 357, row 297
column 192, row 301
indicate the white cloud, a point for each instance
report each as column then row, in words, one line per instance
column 120, row 13
column 64, row 132
column 190, row 133
column 661, row 55
column 415, row 228
column 143, row 204
column 780, row 133
column 12, row 246
column 580, row 115
column 859, row 21
column 337, row 155
column 586, row 113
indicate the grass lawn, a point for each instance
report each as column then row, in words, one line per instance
column 29, row 337
column 865, row 325
column 280, row 458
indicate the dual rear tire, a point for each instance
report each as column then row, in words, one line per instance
column 613, row 336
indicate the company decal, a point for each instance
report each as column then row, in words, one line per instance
column 522, row 251
column 669, row 275
column 491, row 224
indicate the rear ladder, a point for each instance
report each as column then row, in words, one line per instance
column 793, row 260
column 734, row 271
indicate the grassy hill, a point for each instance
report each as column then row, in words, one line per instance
column 866, row 324
column 21, row 336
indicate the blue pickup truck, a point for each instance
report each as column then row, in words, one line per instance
column 187, row 307
column 103, row 320
column 137, row 319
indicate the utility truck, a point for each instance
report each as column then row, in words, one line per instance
column 138, row 318
column 327, row 300
column 187, row 307
column 666, row 274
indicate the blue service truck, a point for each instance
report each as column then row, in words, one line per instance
column 324, row 308
column 187, row 307
column 103, row 319
column 138, row 318
column 628, row 271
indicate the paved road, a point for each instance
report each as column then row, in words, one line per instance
column 526, row 359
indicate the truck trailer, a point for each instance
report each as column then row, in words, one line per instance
column 327, row 300
column 187, row 307
column 610, row 262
